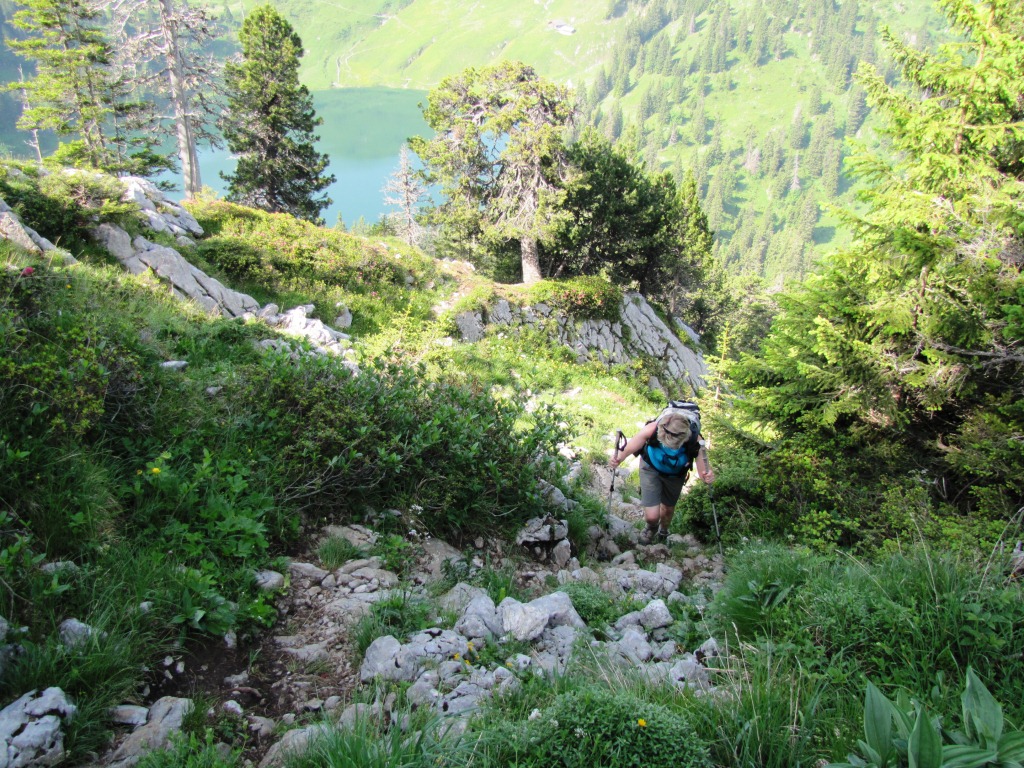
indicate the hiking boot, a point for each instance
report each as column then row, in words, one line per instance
column 649, row 536
column 662, row 536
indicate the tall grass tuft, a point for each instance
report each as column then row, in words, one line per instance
column 424, row 743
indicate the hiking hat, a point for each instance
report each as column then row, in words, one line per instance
column 673, row 430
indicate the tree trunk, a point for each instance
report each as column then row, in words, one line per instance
column 179, row 100
column 531, row 260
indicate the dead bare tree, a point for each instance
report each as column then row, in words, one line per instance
column 160, row 46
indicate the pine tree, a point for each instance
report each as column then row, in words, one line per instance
column 270, row 122
column 76, row 91
column 499, row 155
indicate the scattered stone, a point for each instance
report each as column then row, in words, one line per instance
column 269, row 581
column 655, row 615
column 307, row 571
column 237, row 681
column 165, row 719
column 233, row 708
column 292, row 743
column 129, row 714
column 174, row 365
column 74, row 633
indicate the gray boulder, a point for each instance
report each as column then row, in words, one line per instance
column 30, row 729
column 521, row 622
column 480, row 619
column 655, row 615
column 294, row 742
column 165, row 719
column 559, row 609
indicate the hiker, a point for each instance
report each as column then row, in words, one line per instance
column 668, row 447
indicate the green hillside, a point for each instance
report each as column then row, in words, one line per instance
column 756, row 98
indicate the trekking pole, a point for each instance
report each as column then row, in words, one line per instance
column 714, row 513
column 620, row 443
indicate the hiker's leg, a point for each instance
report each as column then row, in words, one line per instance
column 672, row 488
column 665, row 513
column 650, row 495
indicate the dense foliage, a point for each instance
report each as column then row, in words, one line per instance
column 891, row 381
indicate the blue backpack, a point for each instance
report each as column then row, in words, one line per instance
column 675, row 462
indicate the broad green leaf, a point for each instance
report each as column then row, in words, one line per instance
column 1011, row 746
column 925, row 746
column 982, row 713
column 878, row 723
column 966, row 756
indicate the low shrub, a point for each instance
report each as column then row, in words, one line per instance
column 390, row 437
column 582, row 297
column 597, row 727
column 593, row 604
column 423, row 741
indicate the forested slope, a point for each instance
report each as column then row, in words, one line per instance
column 756, row 97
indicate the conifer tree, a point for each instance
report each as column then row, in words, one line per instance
column 912, row 339
column 270, row 122
column 498, row 154
column 75, row 89
column 406, row 191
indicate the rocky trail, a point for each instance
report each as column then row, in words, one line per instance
column 277, row 692
column 307, row 670
column 274, row 692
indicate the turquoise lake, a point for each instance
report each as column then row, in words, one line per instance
column 362, row 133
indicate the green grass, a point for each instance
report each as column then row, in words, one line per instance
column 336, row 551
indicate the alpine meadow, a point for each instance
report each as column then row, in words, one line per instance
column 672, row 414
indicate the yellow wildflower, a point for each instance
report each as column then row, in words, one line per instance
column 155, row 470
column 641, row 722
column 457, row 656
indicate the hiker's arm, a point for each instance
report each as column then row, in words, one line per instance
column 704, row 470
column 634, row 444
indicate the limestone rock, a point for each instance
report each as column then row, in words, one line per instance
column 30, row 729
column 293, row 742
column 521, row 622
column 165, row 719
column 269, row 581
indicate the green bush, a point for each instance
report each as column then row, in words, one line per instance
column 61, row 206
column 915, row 619
column 582, row 297
column 390, row 437
column 593, row 604
column 425, row 743
column 596, row 727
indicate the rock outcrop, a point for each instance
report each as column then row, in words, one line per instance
column 639, row 332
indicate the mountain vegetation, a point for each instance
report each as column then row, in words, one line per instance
column 866, row 423
column 756, row 99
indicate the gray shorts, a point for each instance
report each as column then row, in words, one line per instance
column 656, row 488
